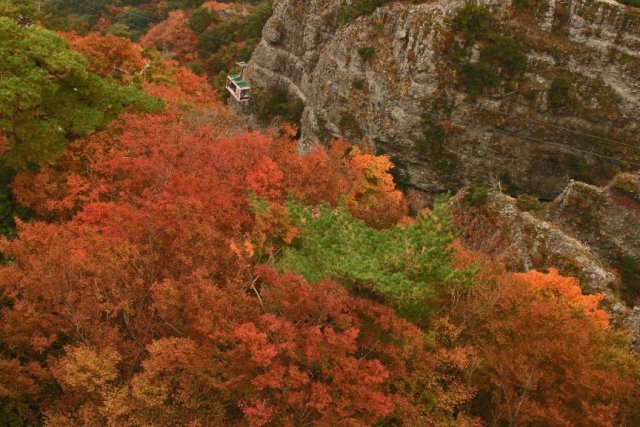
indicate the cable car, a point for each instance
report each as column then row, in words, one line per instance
column 237, row 86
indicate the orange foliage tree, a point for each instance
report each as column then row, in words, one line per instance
column 175, row 35
column 546, row 352
column 373, row 191
column 109, row 55
column 159, row 316
column 56, row 193
column 141, row 155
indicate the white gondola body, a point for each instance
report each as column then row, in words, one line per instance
column 238, row 88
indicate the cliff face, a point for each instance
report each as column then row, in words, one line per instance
column 389, row 78
column 607, row 218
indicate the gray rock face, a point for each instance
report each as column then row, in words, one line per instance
column 407, row 89
column 607, row 219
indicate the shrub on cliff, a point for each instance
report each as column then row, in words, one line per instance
column 474, row 22
column 357, row 8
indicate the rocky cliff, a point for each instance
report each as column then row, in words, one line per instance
column 547, row 91
column 589, row 232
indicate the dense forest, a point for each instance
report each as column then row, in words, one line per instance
column 161, row 265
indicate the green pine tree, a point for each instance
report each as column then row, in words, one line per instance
column 410, row 266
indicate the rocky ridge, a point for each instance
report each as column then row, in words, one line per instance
column 528, row 236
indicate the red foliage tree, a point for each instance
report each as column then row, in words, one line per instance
column 109, row 55
column 140, row 303
column 174, row 35
column 273, row 350
column 186, row 153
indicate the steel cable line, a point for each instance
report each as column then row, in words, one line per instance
column 531, row 120
column 533, row 139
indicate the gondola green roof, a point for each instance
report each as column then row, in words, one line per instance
column 237, row 79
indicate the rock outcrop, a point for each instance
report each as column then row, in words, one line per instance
column 388, row 77
column 605, row 218
column 584, row 233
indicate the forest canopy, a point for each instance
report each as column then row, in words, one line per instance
column 49, row 95
column 169, row 267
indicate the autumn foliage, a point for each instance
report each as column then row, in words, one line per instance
column 548, row 354
column 173, row 34
column 158, row 309
column 179, row 270
column 142, row 302
column 109, row 55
